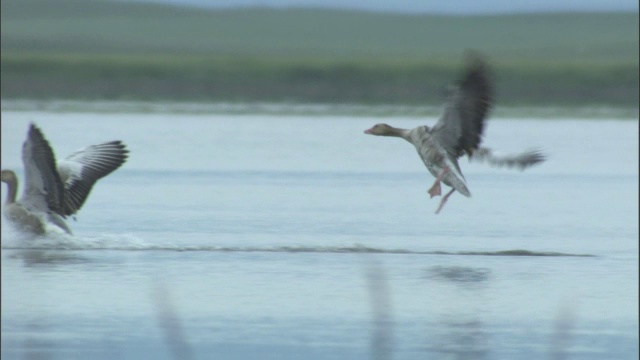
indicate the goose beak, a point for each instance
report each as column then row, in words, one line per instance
column 368, row 131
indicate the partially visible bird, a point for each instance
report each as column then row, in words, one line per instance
column 51, row 193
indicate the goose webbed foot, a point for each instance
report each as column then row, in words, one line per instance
column 444, row 200
column 435, row 189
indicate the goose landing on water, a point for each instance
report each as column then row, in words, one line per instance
column 52, row 193
column 459, row 132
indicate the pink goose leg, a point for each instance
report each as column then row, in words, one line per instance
column 435, row 190
column 444, row 200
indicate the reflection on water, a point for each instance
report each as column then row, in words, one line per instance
column 463, row 339
column 382, row 313
column 170, row 323
column 461, row 331
column 32, row 258
column 458, row 274
column 561, row 338
column 36, row 346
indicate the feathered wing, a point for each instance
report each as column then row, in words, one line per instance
column 459, row 129
column 519, row 161
column 44, row 190
column 82, row 169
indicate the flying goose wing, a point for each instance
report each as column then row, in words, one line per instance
column 520, row 161
column 459, row 129
column 44, row 190
column 83, row 168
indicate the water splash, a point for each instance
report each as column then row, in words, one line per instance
column 59, row 240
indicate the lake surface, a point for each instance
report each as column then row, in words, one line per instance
column 293, row 237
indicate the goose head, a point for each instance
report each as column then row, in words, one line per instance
column 380, row 130
column 8, row 176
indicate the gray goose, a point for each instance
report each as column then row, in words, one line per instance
column 458, row 132
column 51, row 193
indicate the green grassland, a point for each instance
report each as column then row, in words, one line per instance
column 99, row 49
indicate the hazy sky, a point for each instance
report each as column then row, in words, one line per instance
column 428, row 6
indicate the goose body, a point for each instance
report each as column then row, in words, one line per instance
column 436, row 159
column 458, row 132
column 54, row 191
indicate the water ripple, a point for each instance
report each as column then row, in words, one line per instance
column 138, row 245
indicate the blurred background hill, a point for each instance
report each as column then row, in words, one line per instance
column 104, row 49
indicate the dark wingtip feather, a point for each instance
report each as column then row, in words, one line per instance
column 477, row 83
column 42, row 150
column 537, row 156
column 107, row 157
column 474, row 59
column 35, row 132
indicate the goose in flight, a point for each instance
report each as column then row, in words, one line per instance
column 51, row 193
column 459, row 132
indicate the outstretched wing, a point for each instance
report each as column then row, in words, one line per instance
column 519, row 161
column 82, row 169
column 44, row 190
column 459, row 129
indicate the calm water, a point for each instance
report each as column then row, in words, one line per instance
column 261, row 237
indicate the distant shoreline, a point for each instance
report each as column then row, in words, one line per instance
column 292, row 109
column 214, row 79
column 134, row 51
